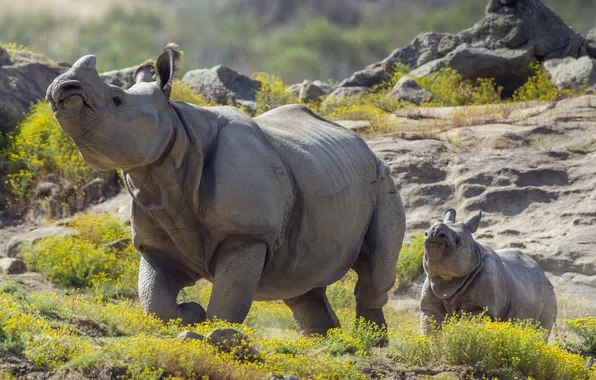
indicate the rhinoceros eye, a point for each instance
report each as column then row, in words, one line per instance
column 457, row 240
column 117, row 101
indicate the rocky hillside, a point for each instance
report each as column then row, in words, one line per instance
column 530, row 170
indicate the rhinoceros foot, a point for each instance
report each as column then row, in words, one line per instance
column 192, row 312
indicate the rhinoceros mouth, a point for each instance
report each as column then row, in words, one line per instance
column 61, row 96
column 435, row 250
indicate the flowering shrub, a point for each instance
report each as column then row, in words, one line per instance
column 40, row 147
column 504, row 349
column 272, row 93
column 84, row 261
column 537, row 87
column 409, row 265
column 585, row 329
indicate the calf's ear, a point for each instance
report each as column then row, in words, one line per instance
column 166, row 66
column 473, row 222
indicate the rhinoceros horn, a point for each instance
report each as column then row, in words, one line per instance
column 449, row 216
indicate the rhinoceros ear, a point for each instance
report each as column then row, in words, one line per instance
column 166, row 67
column 473, row 222
column 144, row 72
column 449, row 216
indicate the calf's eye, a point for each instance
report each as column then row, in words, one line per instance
column 117, row 101
column 457, row 240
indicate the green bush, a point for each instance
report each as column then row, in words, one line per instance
column 40, row 147
column 537, row 87
column 181, row 92
column 84, row 261
column 585, row 329
column 272, row 93
column 449, row 88
column 409, row 265
column 507, row 350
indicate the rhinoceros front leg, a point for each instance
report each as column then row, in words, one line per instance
column 159, row 286
column 237, row 268
column 432, row 309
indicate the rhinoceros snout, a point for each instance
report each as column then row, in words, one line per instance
column 437, row 233
column 436, row 242
column 57, row 92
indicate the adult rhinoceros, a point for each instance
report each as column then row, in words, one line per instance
column 275, row 207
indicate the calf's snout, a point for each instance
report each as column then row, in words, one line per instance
column 437, row 233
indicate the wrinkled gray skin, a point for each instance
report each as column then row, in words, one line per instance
column 466, row 276
column 275, row 207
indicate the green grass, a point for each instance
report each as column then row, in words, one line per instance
column 89, row 334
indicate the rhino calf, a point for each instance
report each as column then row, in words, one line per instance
column 274, row 207
column 466, row 276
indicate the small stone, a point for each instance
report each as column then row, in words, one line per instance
column 231, row 340
column 48, row 190
column 11, row 265
column 283, row 377
column 184, row 335
column 313, row 91
column 409, row 90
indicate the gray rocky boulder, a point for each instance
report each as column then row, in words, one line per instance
column 369, row 77
column 424, row 48
column 230, row 340
column 24, row 78
column 509, row 26
column 519, row 23
column 13, row 248
column 190, row 335
column 342, row 92
column 12, row 265
column 221, row 82
column 591, row 43
column 313, row 91
column 98, row 190
column 121, row 78
column 407, row 89
column 571, row 73
column 47, row 189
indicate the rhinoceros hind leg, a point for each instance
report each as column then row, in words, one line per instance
column 158, row 288
column 549, row 313
column 312, row 312
column 376, row 265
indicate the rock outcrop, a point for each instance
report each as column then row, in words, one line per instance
column 530, row 170
column 220, row 83
column 591, row 43
column 512, row 35
column 24, row 78
column 572, row 74
column 407, row 89
column 13, row 247
column 121, row 78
